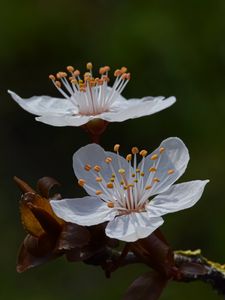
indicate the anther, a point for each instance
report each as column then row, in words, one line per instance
column 98, row 192
column 121, row 171
column 152, row 169
column 171, row 171
column 134, row 150
column 110, row 185
column 81, row 182
column 98, row 179
column 123, row 70
column 156, row 179
column 136, row 180
column 70, row 69
column 154, row 156
column 52, row 77
column 76, row 73
column 143, row 153
column 129, row 157
column 60, row 75
column 138, row 170
column 89, row 66
column 58, row 84
column 142, row 174
column 87, row 167
column 112, row 179
column 148, row 187
column 102, row 70
column 107, row 68
column 97, row 168
column 161, row 150
column 116, row 147
column 133, row 175
column 130, row 185
column 122, row 182
column 117, row 73
column 113, row 175
column 110, row 204
column 108, row 160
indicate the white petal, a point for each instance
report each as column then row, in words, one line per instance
column 85, row 211
column 64, row 120
column 134, row 108
column 93, row 155
column 42, row 105
column 130, row 228
column 175, row 157
column 177, row 197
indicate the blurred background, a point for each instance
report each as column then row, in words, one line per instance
column 171, row 48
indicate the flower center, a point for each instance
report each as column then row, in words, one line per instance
column 91, row 95
column 126, row 187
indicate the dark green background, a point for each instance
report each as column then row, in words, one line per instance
column 171, row 48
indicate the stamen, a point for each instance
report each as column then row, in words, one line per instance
column 121, row 171
column 148, row 187
column 129, row 157
column 89, row 66
column 161, row 150
column 122, row 182
column 99, row 179
column 97, row 168
column 171, row 171
column 116, row 147
column 136, row 180
column 98, row 192
column 142, row 174
column 156, row 179
column 52, row 77
column 58, row 84
column 138, row 170
column 81, row 182
column 110, row 204
column 152, row 169
column 154, row 156
column 134, row 150
column 108, row 160
column 87, row 167
column 112, row 179
column 70, row 69
column 110, row 185
column 133, row 175
column 143, row 153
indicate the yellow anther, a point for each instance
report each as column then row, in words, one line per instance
column 97, row 168
column 148, row 187
column 154, row 156
column 110, row 185
column 152, row 169
column 80, row 81
column 113, row 175
column 98, row 179
column 102, row 70
column 142, row 174
column 133, row 175
column 121, row 171
column 116, row 147
column 125, row 187
column 117, row 73
column 129, row 157
column 98, row 192
column 108, row 160
column 110, row 204
column 138, row 170
column 134, row 150
column 89, row 66
column 123, row 70
column 87, row 76
column 112, row 179
column 70, row 69
column 171, row 171
column 81, row 182
column 143, row 153
column 136, row 180
column 161, row 150
column 122, row 182
column 156, row 179
column 87, row 167
column 58, row 84
column 74, row 81
column 61, row 75
column 130, row 185
column 107, row 68
column 76, row 73
column 52, row 77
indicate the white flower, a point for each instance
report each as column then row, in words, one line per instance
column 123, row 194
column 88, row 98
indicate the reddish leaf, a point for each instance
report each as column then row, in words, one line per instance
column 146, row 287
column 73, row 236
column 45, row 185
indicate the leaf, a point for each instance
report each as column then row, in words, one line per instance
column 45, row 185
column 146, row 287
column 73, row 236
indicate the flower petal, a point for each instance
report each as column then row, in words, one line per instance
column 170, row 164
column 177, row 197
column 64, row 120
column 130, row 228
column 42, row 105
column 135, row 108
column 93, row 155
column 85, row 211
